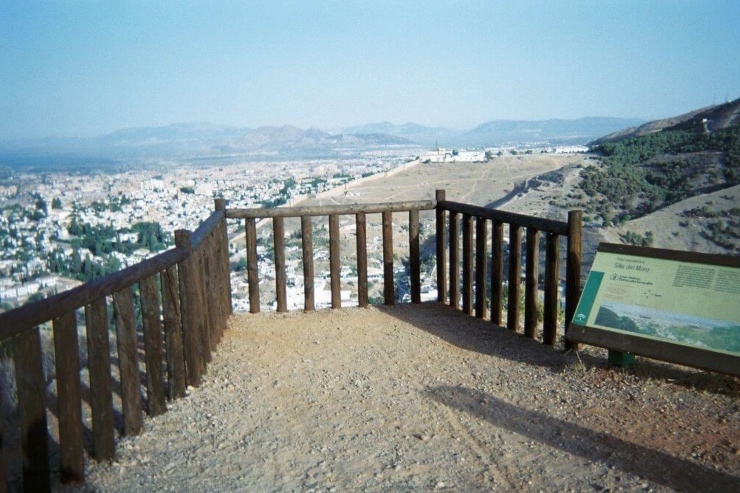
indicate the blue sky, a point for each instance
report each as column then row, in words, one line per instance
column 83, row 68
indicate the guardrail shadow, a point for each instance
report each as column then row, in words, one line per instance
column 653, row 465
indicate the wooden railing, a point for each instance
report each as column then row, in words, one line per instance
column 183, row 316
column 474, row 264
column 333, row 212
column 182, row 319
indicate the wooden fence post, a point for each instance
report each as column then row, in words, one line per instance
column 361, row 259
column 467, row 274
column 414, row 256
column 531, row 283
column 250, row 234
column 552, row 272
column 128, row 361
column 29, row 377
column 278, row 240
column 307, row 246
column 454, row 260
column 176, row 372
column 515, row 275
column 152, row 327
column 336, row 299
column 389, row 289
column 224, row 248
column 573, row 269
column 190, row 308
column 497, row 272
column 101, row 389
column 441, row 249
column 69, row 400
column 481, row 264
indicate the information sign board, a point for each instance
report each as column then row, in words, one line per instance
column 676, row 306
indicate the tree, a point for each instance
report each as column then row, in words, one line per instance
column 56, row 203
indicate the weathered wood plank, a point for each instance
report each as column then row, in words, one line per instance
column 389, row 288
column 361, row 232
column 441, row 244
column 205, row 229
column 552, row 270
column 467, row 268
column 101, row 392
column 336, row 300
column 204, row 310
column 328, row 210
column 531, row 283
column 454, row 260
column 176, row 373
column 515, row 275
column 190, row 308
column 278, row 240
column 573, row 269
column 497, row 273
column 250, row 232
column 14, row 322
column 220, row 205
column 67, row 357
column 152, row 346
column 128, row 361
column 309, row 303
column 414, row 256
column 29, row 377
column 541, row 224
column 481, row 266
column 3, row 481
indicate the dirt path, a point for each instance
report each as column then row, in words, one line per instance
column 418, row 398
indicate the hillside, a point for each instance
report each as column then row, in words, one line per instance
column 670, row 183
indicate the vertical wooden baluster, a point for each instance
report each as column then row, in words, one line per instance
column 336, row 299
column 67, row 356
column 224, row 250
column 29, row 376
column 481, row 266
column 515, row 275
column 101, row 393
column 467, row 276
column 361, row 259
column 3, row 481
column 497, row 273
column 454, row 260
column 250, row 233
column 552, row 270
column 389, row 289
column 152, row 346
column 307, row 245
column 414, row 256
column 531, row 283
column 573, row 269
column 190, row 308
column 441, row 248
column 128, row 361
column 212, row 285
column 176, row 374
column 278, row 239
column 204, row 311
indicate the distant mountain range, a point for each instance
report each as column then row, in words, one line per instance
column 202, row 140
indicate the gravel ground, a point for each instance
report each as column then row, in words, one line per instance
column 419, row 398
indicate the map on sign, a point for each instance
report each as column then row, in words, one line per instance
column 690, row 304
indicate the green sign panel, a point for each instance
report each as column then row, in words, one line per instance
column 686, row 303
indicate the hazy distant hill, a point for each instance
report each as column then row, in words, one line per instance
column 717, row 117
column 200, row 141
column 501, row 132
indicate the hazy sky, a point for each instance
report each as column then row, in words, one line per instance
column 80, row 67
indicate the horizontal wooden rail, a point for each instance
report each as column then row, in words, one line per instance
column 16, row 321
column 329, row 210
column 539, row 223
